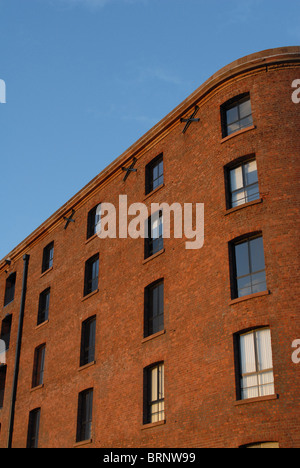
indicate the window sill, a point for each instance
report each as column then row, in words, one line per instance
column 92, row 363
column 47, row 271
column 89, row 295
column 256, row 400
column 250, row 296
column 83, row 442
column 154, row 191
column 152, row 337
column 40, row 325
column 157, row 254
column 239, row 132
column 155, row 424
column 38, row 387
column 245, row 205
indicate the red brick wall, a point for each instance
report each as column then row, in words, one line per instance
column 197, row 346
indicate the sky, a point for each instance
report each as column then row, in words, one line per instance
column 85, row 79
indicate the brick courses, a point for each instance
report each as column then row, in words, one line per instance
column 200, row 318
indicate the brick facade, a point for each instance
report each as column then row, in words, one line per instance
column 201, row 317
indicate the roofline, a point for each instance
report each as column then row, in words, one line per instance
column 245, row 64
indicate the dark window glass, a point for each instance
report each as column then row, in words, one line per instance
column 88, row 333
column 85, row 414
column 38, row 366
column 33, row 428
column 91, row 275
column 154, row 242
column 243, row 184
column 154, row 308
column 5, row 330
column 250, row 274
column 2, row 384
column 154, row 174
column 94, row 221
column 44, row 302
column 10, row 289
column 155, row 404
column 48, row 257
column 236, row 114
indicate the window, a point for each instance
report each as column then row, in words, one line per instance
column 236, row 114
column 154, row 242
column 5, row 330
column 88, row 332
column 38, row 366
column 48, row 257
column 10, row 289
column 154, row 393
column 154, row 174
column 256, row 377
column 44, row 302
column 91, row 275
column 249, row 275
column 154, row 308
column 33, row 428
column 94, row 221
column 2, row 384
column 85, row 414
column 243, row 184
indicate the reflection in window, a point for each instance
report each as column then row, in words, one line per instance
column 256, row 364
column 250, row 274
column 155, row 394
column 243, row 184
column 236, row 115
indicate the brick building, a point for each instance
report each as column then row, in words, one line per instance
column 142, row 342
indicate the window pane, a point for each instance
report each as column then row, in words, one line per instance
column 247, row 122
column 258, row 282
column 252, row 193
column 242, row 259
column 233, row 128
column 245, row 109
column 236, row 178
column 232, row 115
column 257, row 254
column 264, row 349
column 250, row 173
column 247, row 351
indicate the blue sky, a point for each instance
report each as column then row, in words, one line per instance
column 86, row 78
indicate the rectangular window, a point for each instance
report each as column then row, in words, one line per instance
column 154, row 242
column 2, row 384
column 154, row 174
column 243, row 182
column 155, row 404
column 44, row 302
column 88, row 334
column 91, row 275
column 38, row 366
column 10, row 289
column 154, row 309
column 33, row 428
column 249, row 267
column 85, row 415
column 236, row 115
column 256, row 364
column 94, row 221
column 48, row 254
